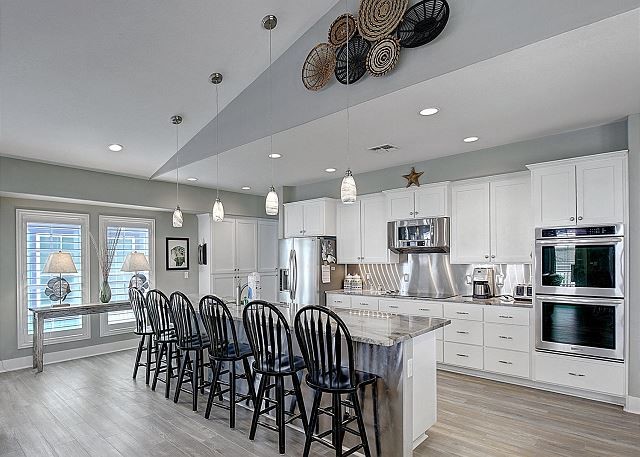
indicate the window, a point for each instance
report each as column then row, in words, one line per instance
column 38, row 234
column 136, row 234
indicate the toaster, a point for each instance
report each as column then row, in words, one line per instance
column 523, row 292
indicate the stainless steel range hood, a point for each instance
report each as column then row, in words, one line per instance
column 415, row 236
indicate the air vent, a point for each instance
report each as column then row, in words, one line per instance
column 383, row 148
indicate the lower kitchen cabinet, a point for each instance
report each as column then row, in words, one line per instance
column 507, row 362
column 468, row 332
column 439, row 351
column 338, row 301
column 364, row 303
column 464, row 355
column 510, row 337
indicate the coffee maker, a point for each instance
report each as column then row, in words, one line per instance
column 483, row 282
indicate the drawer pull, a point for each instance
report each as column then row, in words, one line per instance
column 462, row 355
column 393, row 306
column 424, row 309
column 505, row 337
column 505, row 362
column 364, row 304
column 461, row 332
column 462, row 312
column 579, row 375
column 337, row 301
column 504, row 316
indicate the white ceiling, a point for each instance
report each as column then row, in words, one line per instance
column 78, row 75
column 581, row 78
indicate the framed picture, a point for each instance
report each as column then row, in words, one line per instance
column 177, row 252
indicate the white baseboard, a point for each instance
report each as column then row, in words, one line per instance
column 632, row 405
column 20, row 363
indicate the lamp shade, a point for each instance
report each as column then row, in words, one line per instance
column 60, row 262
column 135, row 261
column 271, row 202
column 348, row 191
column 177, row 217
column 218, row 211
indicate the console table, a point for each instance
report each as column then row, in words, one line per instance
column 40, row 314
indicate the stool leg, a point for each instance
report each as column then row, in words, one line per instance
column 300, row 400
column 313, row 421
column 232, row 394
column 183, row 369
column 156, row 372
column 148, row 367
column 337, row 424
column 376, row 419
column 256, row 412
column 138, row 355
column 169, row 356
column 360, row 420
column 214, row 387
column 201, row 368
column 280, row 406
column 249, row 375
column 194, row 379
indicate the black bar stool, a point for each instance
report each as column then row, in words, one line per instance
column 159, row 312
column 225, row 348
column 144, row 330
column 190, row 340
column 321, row 335
column 270, row 340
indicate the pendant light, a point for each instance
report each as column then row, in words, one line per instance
column 218, row 208
column 271, row 203
column 177, row 214
column 348, row 190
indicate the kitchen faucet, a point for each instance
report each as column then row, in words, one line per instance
column 239, row 290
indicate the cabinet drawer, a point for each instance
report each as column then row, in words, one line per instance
column 506, row 362
column 338, row 301
column 360, row 302
column 512, row 337
column 464, row 355
column 469, row 332
column 506, row 315
column 439, row 351
column 462, row 311
column 595, row 375
column 411, row 307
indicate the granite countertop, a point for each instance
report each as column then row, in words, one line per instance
column 496, row 301
column 370, row 327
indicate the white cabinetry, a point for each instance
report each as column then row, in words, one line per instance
column 430, row 200
column 267, row 246
column 234, row 246
column 491, row 220
column 269, row 287
column 362, row 232
column 587, row 190
column 310, row 218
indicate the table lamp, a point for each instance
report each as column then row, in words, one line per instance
column 59, row 263
column 135, row 262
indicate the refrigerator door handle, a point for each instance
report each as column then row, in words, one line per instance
column 291, row 275
column 295, row 271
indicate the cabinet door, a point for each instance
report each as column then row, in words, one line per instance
column 374, row 231
column 400, row 205
column 600, row 191
column 554, row 191
column 224, row 286
column 223, row 252
column 511, row 225
column 269, row 287
column 246, row 245
column 293, row 220
column 313, row 219
column 431, row 201
column 267, row 246
column 470, row 228
column 349, row 231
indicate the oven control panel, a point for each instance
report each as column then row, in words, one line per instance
column 577, row 232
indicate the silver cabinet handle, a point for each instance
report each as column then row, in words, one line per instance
column 505, row 362
column 393, row 306
column 493, row 256
column 504, row 316
column 580, row 375
column 415, row 212
column 411, row 213
column 462, row 355
column 461, row 332
column 364, row 304
column 505, row 337
column 461, row 312
column 579, row 218
column 486, row 256
column 424, row 309
column 337, row 301
column 572, row 218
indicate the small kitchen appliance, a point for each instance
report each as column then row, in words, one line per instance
column 523, row 292
column 415, row 236
column 483, row 281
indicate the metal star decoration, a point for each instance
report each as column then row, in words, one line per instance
column 413, row 177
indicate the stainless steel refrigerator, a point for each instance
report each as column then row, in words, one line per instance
column 307, row 269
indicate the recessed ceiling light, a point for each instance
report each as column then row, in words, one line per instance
column 429, row 111
column 275, row 155
column 246, row 188
column 192, row 179
column 330, row 170
column 115, row 147
column 471, row 139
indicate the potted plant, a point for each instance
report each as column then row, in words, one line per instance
column 105, row 260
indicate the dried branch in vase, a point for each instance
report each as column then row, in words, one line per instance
column 107, row 253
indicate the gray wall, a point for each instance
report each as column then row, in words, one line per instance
column 633, row 243
column 502, row 159
column 168, row 281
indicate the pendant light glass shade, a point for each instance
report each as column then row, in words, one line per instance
column 348, row 191
column 177, row 217
column 218, row 211
column 271, row 203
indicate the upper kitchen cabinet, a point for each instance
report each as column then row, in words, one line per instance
column 234, row 245
column 267, row 246
column 491, row 220
column 587, row 190
column 310, row 218
column 362, row 232
column 430, row 200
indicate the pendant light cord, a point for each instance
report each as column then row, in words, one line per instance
column 177, row 166
column 346, row 18
column 217, row 145
column 271, row 112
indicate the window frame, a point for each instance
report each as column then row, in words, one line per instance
column 23, row 217
column 104, row 221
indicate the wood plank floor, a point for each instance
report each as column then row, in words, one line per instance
column 91, row 407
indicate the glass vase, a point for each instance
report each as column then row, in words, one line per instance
column 105, row 292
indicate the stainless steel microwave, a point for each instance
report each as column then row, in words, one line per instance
column 414, row 236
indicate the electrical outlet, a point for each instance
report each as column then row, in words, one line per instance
column 186, row 275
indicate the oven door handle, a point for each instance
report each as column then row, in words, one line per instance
column 581, row 300
column 580, row 241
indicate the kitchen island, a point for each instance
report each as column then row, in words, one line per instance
column 401, row 350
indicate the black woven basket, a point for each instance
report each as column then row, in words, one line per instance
column 357, row 55
column 422, row 23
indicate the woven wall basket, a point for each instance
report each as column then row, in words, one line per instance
column 379, row 18
column 343, row 28
column 383, row 56
column 319, row 66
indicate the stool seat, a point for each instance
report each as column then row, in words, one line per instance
column 193, row 343
column 280, row 365
column 144, row 331
column 228, row 351
column 340, row 380
column 167, row 336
